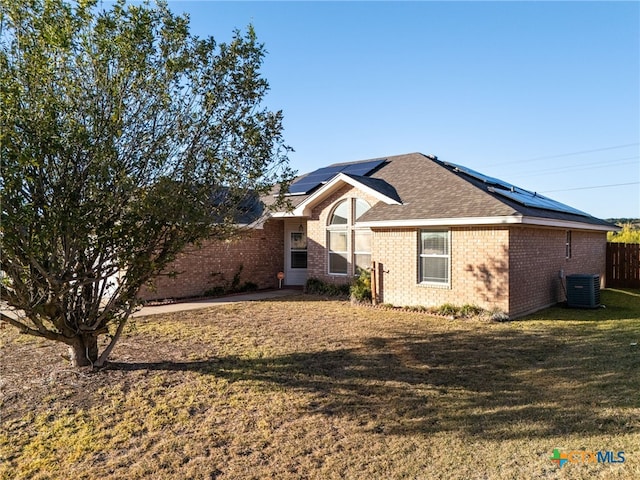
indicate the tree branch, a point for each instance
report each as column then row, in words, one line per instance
column 24, row 328
column 107, row 351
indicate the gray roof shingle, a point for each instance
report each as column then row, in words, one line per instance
column 431, row 189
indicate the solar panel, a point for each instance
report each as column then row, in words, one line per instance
column 519, row 195
column 535, row 200
column 363, row 168
column 479, row 176
column 301, row 188
column 322, row 175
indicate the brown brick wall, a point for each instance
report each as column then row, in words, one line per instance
column 513, row 269
column 260, row 252
column 479, row 268
column 538, row 255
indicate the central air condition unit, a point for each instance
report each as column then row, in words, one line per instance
column 583, row 291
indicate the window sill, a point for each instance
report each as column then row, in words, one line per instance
column 440, row 286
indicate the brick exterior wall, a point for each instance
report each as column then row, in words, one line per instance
column 479, row 268
column 538, row 255
column 514, row 269
column 259, row 251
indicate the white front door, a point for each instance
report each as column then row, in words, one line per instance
column 295, row 248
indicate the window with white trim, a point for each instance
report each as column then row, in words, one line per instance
column 298, row 243
column 338, row 252
column 361, row 249
column 347, row 244
column 435, row 257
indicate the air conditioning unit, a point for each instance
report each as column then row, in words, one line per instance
column 583, row 291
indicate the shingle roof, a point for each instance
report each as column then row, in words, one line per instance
column 379, row 185
column 244, row 207
column 431, row 189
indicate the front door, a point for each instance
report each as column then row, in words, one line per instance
column 295, row 247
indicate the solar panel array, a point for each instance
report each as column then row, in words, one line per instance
column 535, row 200
column 519, row 195
column 480, row 176
column 306, row 184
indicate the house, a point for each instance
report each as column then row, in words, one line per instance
column 437, row 233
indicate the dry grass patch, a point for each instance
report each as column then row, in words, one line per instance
column 307, row 388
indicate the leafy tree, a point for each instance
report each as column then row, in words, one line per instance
column 123, row 138
column 630, row 233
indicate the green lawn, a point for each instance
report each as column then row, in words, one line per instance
column 309, row 388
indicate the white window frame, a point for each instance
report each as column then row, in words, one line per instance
column 349, row 229
column 360, row 252
column 297, row 250
column 342, row 253
column 447, row 256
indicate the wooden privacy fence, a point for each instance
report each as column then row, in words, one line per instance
column 623, row 265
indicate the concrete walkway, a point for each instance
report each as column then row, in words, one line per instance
column 210, row 302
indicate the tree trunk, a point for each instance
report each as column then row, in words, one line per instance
column 84, row 350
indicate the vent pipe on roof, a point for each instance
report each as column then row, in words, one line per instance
column 432, row 157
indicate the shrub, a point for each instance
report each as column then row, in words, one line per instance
column 447, row 310
column 313, row 285
column 360, row 290
column 234, row 285
column 248, row 287
column 320, row 287
column 469, row 311
column 214, row 292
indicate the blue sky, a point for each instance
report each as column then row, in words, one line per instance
column 545, row 95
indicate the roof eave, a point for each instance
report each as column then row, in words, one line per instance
column 553, row 222
column 495, row 220
column 304, row 209
column 283, row 215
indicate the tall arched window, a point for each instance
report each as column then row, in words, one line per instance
column 346, row 243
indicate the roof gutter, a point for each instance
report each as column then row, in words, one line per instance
column 499, row 220
column 551, row 222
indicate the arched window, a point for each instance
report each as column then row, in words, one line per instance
column 360, row 207
column 340, row 215
column 346, row 243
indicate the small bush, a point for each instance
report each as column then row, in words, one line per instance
column 450, row 310
column 228, row 287
column 360, row 291
column 315, row 286
column 447, row 310
column 248, row 287
column 470, row 311
column 419, row 309
column 214, row 292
